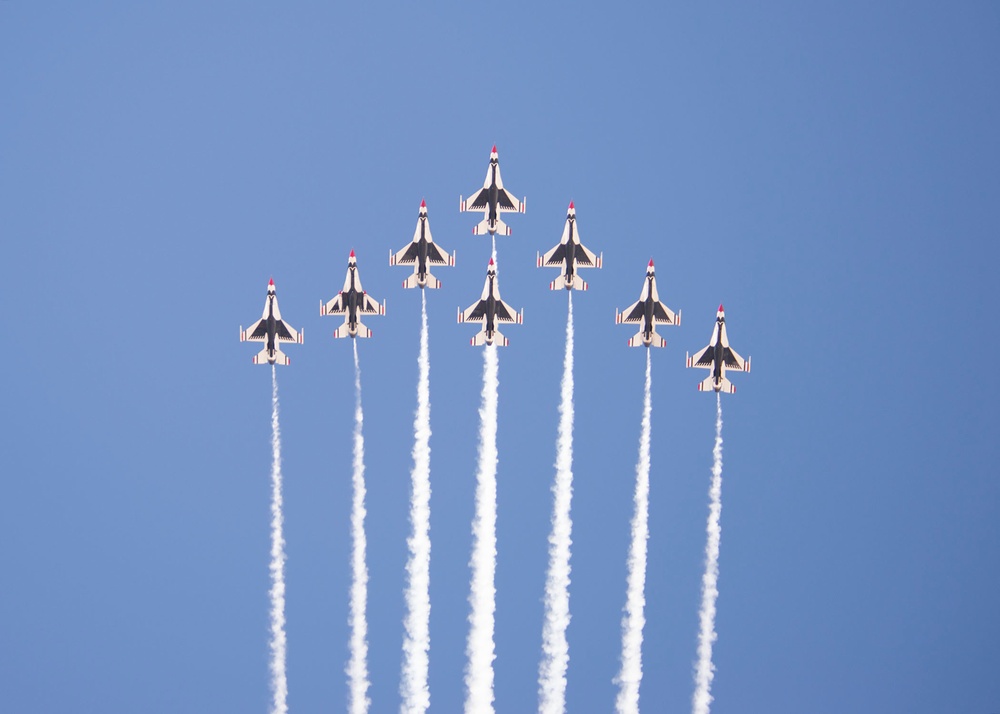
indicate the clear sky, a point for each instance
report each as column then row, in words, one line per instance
column 830, row 174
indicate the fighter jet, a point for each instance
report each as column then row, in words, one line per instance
column 352, row 302
column 492, row 199
column 570, row 254
column 270, row 328
column 718, row 357
column 491, row 310
column 421, row 253
column 649, row 311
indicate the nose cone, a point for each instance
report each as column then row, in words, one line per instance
column 491, row 262
column 351, row 256
column 270, row 283
column 651, row 263
column 493, row 151
column 423, row 204
column 571, row 206
column 721, row 309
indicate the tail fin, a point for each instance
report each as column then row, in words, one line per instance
column 708, row 385
column 560, row 283
column 654, row 341
column 412, row 282
column 279, row 357
column 480, row 339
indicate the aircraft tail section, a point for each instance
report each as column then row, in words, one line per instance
column 483, row 228
column 480, row 339
column 708, row 385
column 560, row 283
column 638, row 340
column 413, row 282
column 279, row 357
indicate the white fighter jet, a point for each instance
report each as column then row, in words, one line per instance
column 718, row 357
column 569, row 255
column 421, row 253
column 352, row 302
column 271, row 329
column 491, row 310
column 492, row 199
column 649, row 311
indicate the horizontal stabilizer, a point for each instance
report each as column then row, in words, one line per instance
column 279, row 357
column 638, row 340
column 414, row 281
column 480, row 339
column 708, row 385
column 560, row 283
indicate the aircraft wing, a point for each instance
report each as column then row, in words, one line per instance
column 734, row 361
column 505, row 313
column 633, row 313
column 436, row 256
column 506, row 202
column 283, row 332
column 554, row 258
column 335, row 306
column 586, row 258
column 704, row 358
column 407, row 256
column 257, row 332
column 664, row 314
column 475, row 312
column 479, row 201
column 369, row 306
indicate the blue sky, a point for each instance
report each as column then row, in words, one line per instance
column 829, row 173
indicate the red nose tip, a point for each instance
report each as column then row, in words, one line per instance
column 352, row 253
column 491, row 261
column 721, row 309
column 571, row 206
column 494, row 149
column 650, row 262
column 271, row 282
column 423, row 203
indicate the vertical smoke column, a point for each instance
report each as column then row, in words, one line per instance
column 279, row 682
column 555, row 650
column 357, row 667
column 630, row 676
column 416, row 644
column 480, row 647
column 705, row 671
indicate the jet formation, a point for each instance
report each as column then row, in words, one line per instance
column 569, row 255
column 271, row 329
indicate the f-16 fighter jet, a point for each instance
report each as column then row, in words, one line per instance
column 718, row 357
column 352, row 302
column 270, row 328
column 491, row 310
column 570, row 255
column 421, row 253
column 492, row 199
column 649, row 311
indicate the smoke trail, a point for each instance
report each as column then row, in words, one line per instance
column 555, row 650
column 279, row 682
column 357, row 667
column 710, row 580
column 630, row 676
column 480, row 647
column 417, row 643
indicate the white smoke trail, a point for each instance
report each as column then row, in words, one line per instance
column 705, row 671
column 630, row 676
column 480, row 647
column 417, row 643
column 555, row 650
column 357, row 667
column 279, row 682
